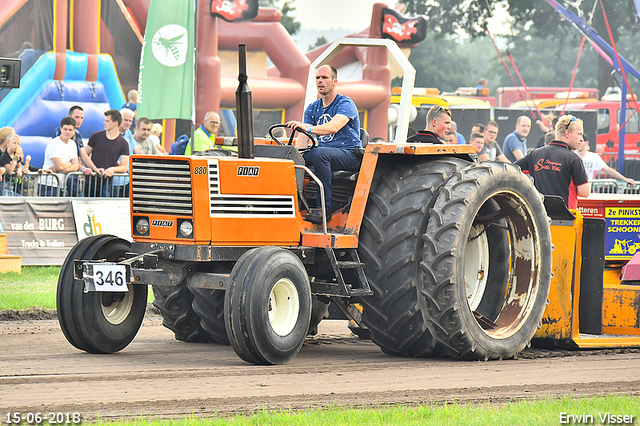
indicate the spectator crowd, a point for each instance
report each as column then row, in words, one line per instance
column 98, row 166
column 75, row 166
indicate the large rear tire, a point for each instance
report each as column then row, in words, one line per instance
column 391, row 247
column 99, row 322
column 268, row 306
column 493, row 319
column 319, row 311
column 174, row 304
column 209, row 305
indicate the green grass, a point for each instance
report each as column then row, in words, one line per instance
column 34, row 287
column 535, row 413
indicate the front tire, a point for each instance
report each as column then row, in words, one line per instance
column 99, row 322
column 268, row 306
column 64, row 295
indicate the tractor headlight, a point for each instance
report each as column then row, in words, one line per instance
column 142, row 226
column 186, row 228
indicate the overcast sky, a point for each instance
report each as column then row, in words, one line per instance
column 354, row 15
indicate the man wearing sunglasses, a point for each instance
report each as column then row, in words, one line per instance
column 438, row 125
column 555, row 168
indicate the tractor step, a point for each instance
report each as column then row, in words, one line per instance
column 360, row 292
column 349, row 265
column 361, row 286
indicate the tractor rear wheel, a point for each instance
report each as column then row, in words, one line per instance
column 487, row 261
column 486, row 267
column 209, row 306
column 268, row 306
column 319, row 311
column 391, row 245
column 174, row 304
column 99, row 322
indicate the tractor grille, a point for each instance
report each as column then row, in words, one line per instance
column 214, row 178
column 252, row 205
column 161, row 186
column 227, row 205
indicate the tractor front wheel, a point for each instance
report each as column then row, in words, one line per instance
column 268, row 306
column 99, row 322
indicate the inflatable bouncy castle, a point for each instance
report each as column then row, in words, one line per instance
column 72, row 52
column 87, row 52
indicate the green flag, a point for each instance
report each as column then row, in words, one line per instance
column 166, row 78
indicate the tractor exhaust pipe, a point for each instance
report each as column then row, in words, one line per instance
column 244, row 107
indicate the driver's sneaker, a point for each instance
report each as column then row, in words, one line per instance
column 316, row 216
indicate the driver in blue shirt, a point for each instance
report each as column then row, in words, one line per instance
column 334, row 119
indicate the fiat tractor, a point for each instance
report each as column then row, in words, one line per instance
column 431, row 251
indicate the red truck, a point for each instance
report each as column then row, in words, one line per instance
column 608, row 124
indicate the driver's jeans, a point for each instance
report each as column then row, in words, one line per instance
column 324, row 160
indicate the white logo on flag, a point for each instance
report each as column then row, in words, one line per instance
column 169, row 45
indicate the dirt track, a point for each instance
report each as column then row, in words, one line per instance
column 157, row 376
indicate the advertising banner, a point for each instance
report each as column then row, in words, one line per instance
column 41, row 231
column 102, row 217
column 623, row 222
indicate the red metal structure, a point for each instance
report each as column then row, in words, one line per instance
column 508, row 95
column 81, row 26
column 284, row 84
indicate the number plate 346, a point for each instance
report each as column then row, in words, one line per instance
column 105, row 277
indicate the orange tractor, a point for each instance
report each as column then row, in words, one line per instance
column 445, row 255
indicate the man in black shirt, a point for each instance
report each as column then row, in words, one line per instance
column 555, row 168
column 438, row 125
column 109, row 153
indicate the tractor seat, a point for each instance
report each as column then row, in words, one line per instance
column 353, row 174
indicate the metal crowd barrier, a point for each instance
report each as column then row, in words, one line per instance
column 75, row 184
column 612, row 186
column 604, row 186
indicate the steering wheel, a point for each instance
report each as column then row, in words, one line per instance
column 312, row 137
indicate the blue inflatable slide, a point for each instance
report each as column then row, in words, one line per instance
column 35, row 109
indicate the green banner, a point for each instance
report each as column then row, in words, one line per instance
column 167, row 66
